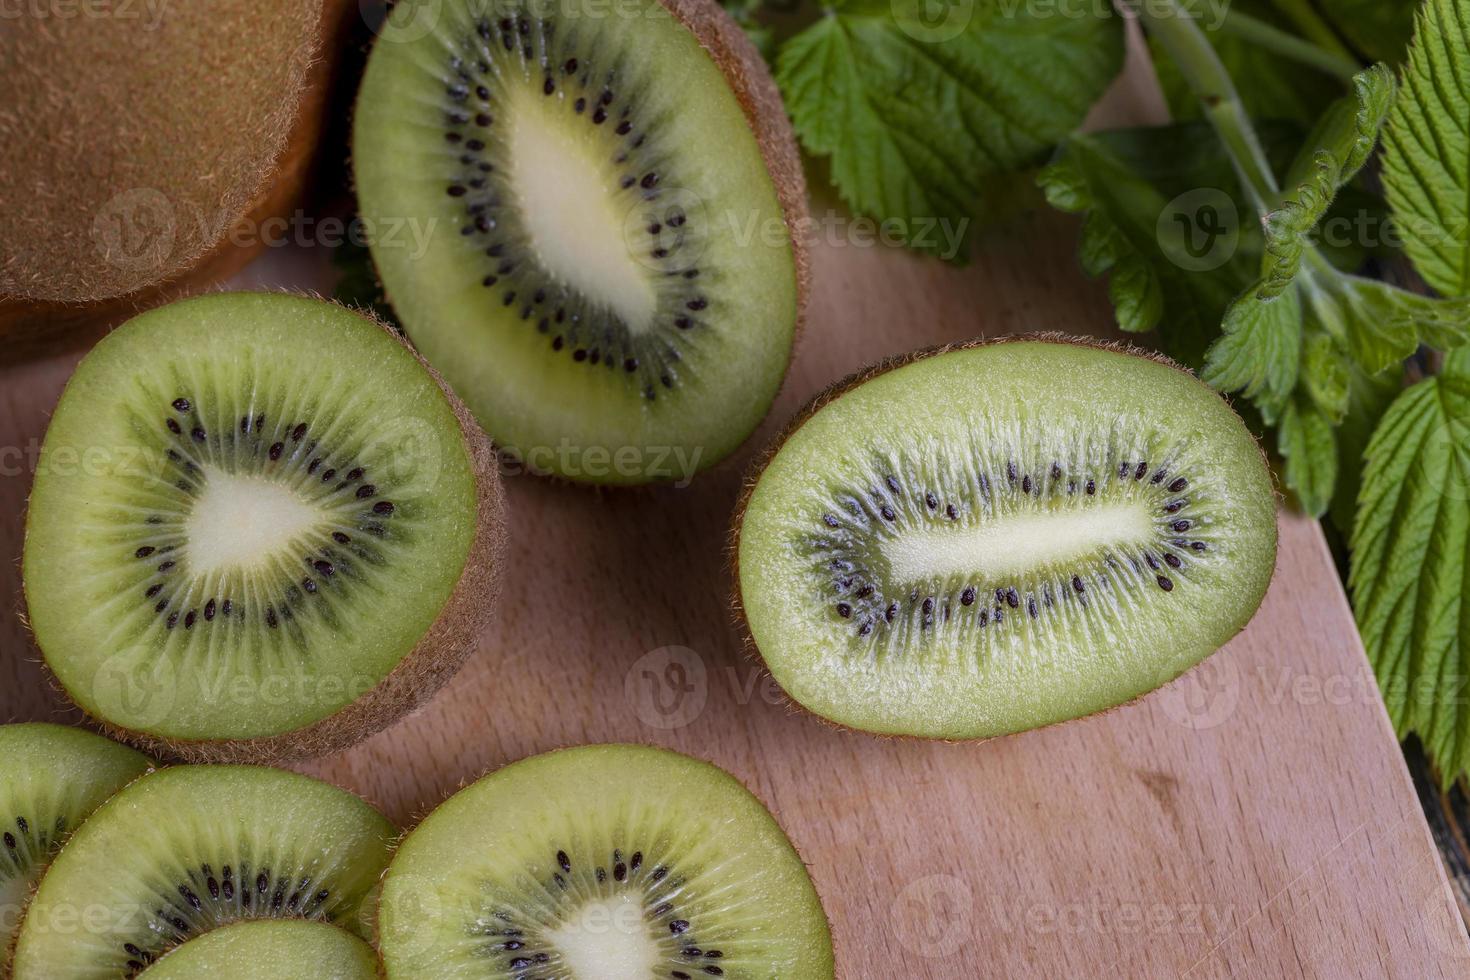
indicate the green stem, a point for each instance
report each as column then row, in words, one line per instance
column 1210, row 82
column 1313, row 27
column 1288, row 45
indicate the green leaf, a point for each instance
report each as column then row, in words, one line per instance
column 1381, row 324
column 1259, row 352
column 1408, row 578
column 1369, row 397
column 1378, row 28
column 1142, row 191
column 1306, row 442
column 1426, row 159
column 1326, row 374
column 1300, row 294
column 1337, row 149
column 914, row 114
column 1270, row 86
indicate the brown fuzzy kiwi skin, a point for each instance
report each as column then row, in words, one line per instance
column 831, row 393
column 750, row 79
column 438, row 656
column 42, row 314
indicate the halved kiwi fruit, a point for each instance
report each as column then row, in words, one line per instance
column 270, row 949
column 614, row 862
column 183, row 851
column 970, row 542
column 260, row 530
column 136, row 140
column 51, row 779
column 608, row 275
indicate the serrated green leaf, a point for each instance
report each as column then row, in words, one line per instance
column 1382, row 324
column 914, row 114
column 1133, row 185
column 1369, row 397
column 1308, row 446
column 1408, row 578
column 1259, row 350
column 1426, row 159
column 1325, row 370
column 1302, row 295
column 1336, row 150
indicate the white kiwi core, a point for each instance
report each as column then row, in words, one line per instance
column 243, row 522
column 1014, row 544
column 567, row 187
column 608, row 940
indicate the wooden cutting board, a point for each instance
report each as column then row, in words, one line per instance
column 1253, row 819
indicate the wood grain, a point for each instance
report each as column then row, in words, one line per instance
column 1253, row 819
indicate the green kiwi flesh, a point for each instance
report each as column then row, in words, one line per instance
column 183, row 851
column 605, row 273
column 613, row 862
column 270, row 949
column 259, row 530
column 51, row 779
column 985, row 540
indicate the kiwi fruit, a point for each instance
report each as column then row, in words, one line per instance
column 51, row 779
column 975, row 541
column 270, row 949
column 185, row 850
column 612, row 282
column 260, row 530
column 614, row 862
column 134, row 140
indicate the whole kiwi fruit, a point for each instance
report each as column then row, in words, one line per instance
column 143, row 147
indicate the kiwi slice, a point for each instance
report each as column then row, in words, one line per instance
column 260, row 530
column 270, row 949
column 183, row 851
column 611, row 282
column 606, row 862
column 51, row 779
column 978, row 541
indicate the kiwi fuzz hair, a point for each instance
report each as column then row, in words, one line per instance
column 433, row 661
column 739, row 618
